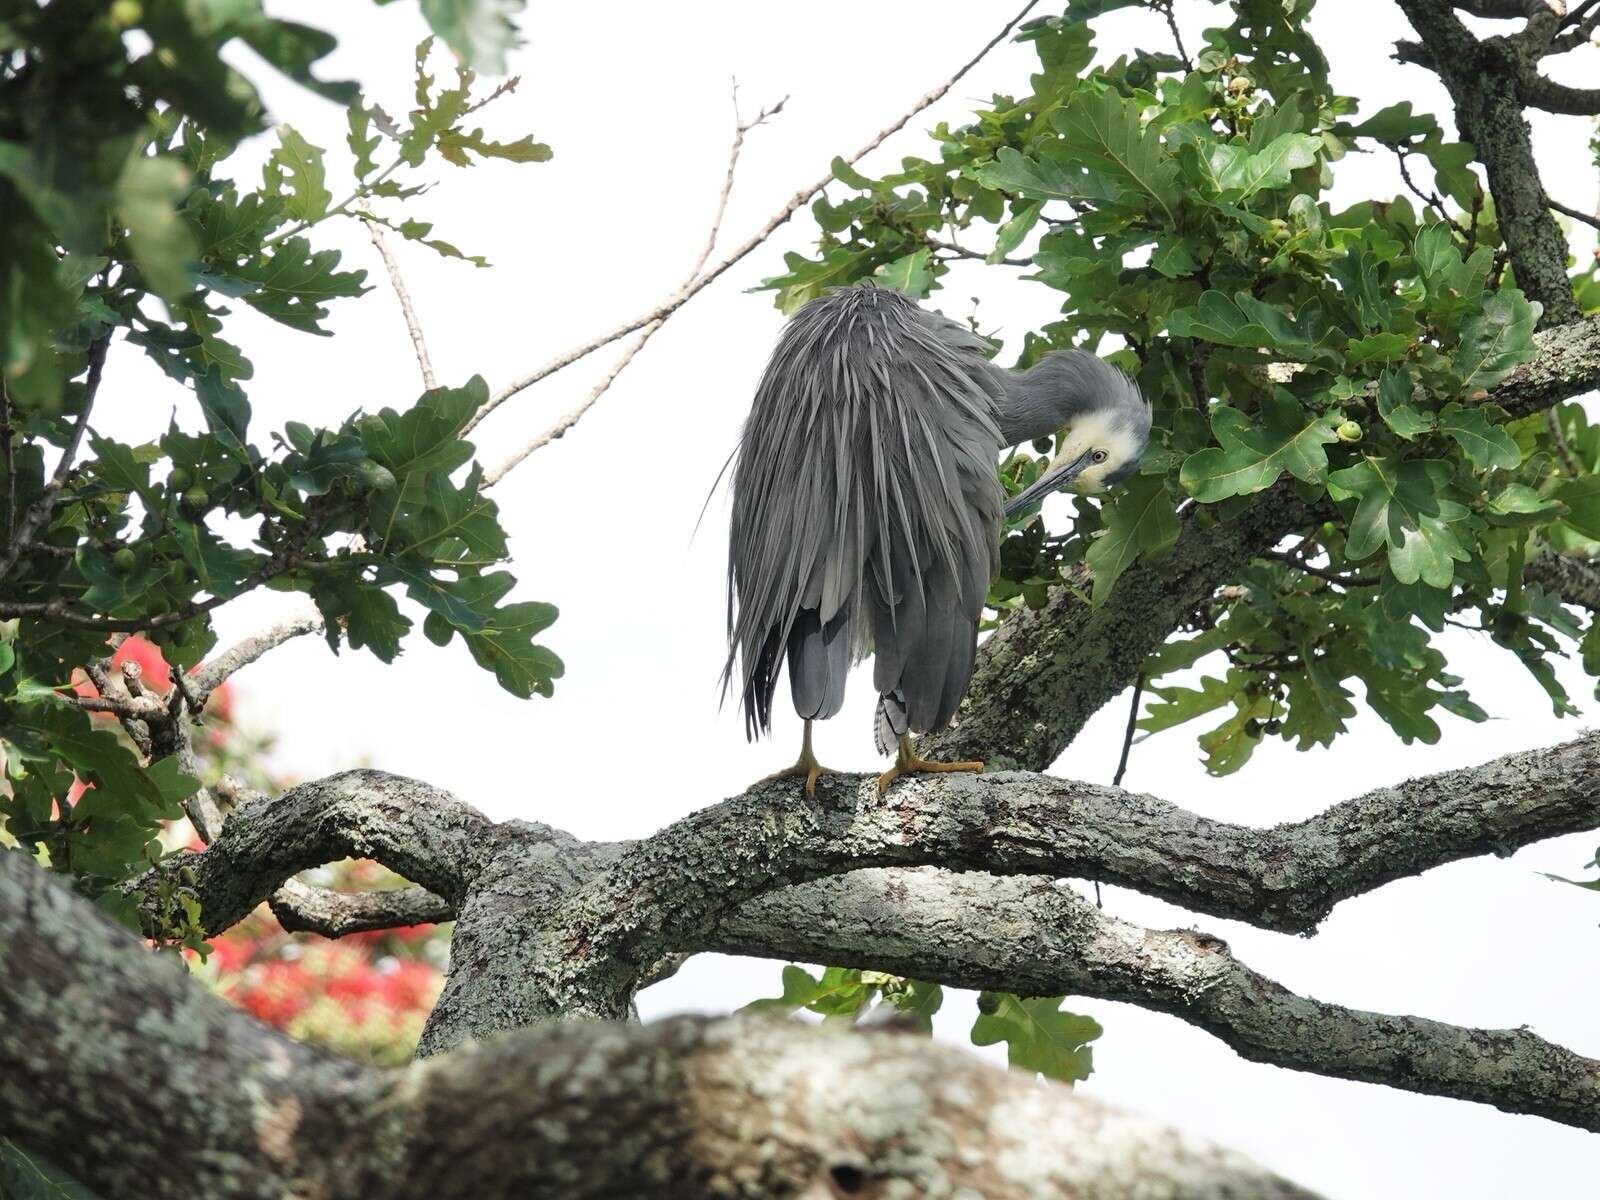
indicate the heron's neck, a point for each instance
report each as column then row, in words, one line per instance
column 1039, row 401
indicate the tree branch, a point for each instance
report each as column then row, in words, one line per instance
column 1573, row 580
column 301, row 908
column 413, row 326
column 122, row 1071
column 664, row 893
column 220, row 667
column 1489, row 81
column 1559, row 98
column 670, row 305
column 416, row 830
column 39, row 512
column 1033, row 937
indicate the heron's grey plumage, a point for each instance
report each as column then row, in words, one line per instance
column 866, row 509
column 866, row 506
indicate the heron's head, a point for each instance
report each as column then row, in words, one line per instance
column 1105, row 427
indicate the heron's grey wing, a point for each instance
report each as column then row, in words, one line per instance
column 865, row 506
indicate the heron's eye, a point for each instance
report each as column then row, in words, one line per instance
column 1099, row 456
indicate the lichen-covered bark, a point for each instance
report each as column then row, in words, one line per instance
column 1483, row 78
column 122, row 1070
column 1045, row 672
column 1034, row 937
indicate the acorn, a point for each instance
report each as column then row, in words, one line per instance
column 124, row 561
column 1349, row 431
column 179, row 479
column 196, row 498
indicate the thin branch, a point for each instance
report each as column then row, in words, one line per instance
column 561, row 427
column 1127, row 736
column 1576, row 214
column 1559, row 440
column 960, row 251
column 1328, row 573
column 39, row 512
column 8, row 434
column 670, row 305
column 1559, row 98
column 1166, row 7
column 243, row 653
column 413, row 326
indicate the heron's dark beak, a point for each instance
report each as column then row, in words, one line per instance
column 1057, row 475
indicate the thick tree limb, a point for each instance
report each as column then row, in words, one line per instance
column 1573, row 580
column 1559, row 98
column 1044, row 673
column 1487, row 80
column 414, row 829
column 120, row 1069
column 1034, row 937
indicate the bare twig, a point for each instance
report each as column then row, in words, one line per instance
column 242, row 654
column 1172, row 23
column 40, row 510
column 1127, row 737
column 670, row 305
column 960, row 251
column 1332, row 576
column 413, row 326
column 7, row 452
column 1560, row 440
column 560, row 428
column 1576, row 214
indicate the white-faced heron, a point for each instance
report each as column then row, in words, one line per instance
column 867, row 510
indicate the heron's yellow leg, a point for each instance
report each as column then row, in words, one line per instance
column 907, row 763
column 806, row 765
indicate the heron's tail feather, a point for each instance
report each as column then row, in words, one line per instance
column 819, row 664
column 889, row 724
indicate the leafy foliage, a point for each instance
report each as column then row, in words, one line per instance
column 1038, row 1036
column 1345, row 353
column 124, row 224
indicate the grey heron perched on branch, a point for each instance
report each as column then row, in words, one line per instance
column 867, row 509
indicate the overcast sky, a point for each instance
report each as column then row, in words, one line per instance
column 634, row 99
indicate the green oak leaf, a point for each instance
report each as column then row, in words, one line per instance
column 295, row 171
column 1488, row 446
column 1038, row 1035
column 1105, row 133
column 1140, row 519
column 1399, row 506
column 1043, row 179
column 1496, row 340
column 1254, row 453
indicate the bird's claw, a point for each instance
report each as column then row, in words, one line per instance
column 907, row 763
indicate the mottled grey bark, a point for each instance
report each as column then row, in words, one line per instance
column 119, row 1068
column 1573, row 580
column 551, row 927
column 1034, row 937
column 1485, row 79
column 1045, row 672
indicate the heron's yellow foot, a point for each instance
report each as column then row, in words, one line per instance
column 907, row 763
column 806, row 765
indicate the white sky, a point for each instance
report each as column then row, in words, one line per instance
column 634, row 99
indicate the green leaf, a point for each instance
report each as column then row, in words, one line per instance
column 1400, row 507
column 840, row 992
column 1518, row 504
column 148, row 194
column 455, row 143
column 911, row 275
column 1495, row 341
column 1104, row 132
column 1245, row 321
column 1139, row 520
column 1394, row 405
column 363, row 143
column 480, row 31
column 295, row 171
column 1396, row 124
column 1242, row 173
column 1038, row 1036
column 1042, row 179
column 1012, row 234
column 293, row 283
column 1582, row 498
column 1254, row 453
column 25, row 1176
column 1488, row 446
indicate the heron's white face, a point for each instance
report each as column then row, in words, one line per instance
column 1113, row 448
